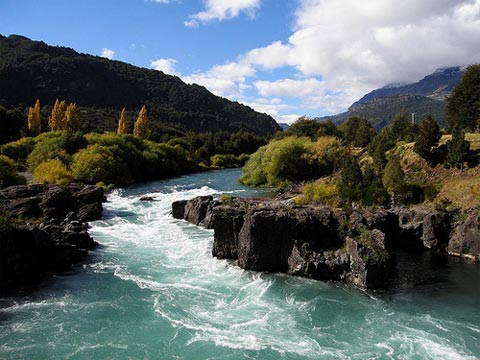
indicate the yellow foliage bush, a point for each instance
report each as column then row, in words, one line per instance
column 319, row 193
column 52, row 172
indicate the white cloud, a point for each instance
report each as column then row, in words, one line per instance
column 165, row 65
column 227, row 80
column 222, row 10
column 342, row 49
column 107, row 53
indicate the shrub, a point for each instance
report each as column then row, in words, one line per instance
column 97, row 163
column 319, row 193
column 52, row 172
column 220, row 161
column 18, row 150
column 8, row 173
column 48, row 148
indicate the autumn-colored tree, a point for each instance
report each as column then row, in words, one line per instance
column 142, row 125
column 56, row 121
column 34, row 119
column 122, row 123
column 71, row 118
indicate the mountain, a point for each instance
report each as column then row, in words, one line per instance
column 101, row 88
column 424, row 97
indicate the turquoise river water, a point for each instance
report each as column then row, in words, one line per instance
column 152, row 290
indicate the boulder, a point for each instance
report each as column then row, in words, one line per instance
column 178, row 209
column 227, row 223
column 465, row 237
column 196, row 209
column 45, row 229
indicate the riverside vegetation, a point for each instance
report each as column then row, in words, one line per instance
column 404, row 163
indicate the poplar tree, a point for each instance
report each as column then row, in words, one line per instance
column 34, row 119
column 56, row 121
column 142, row 125
column 71, row 118
column 122, row 123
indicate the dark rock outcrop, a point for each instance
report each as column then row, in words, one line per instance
column 356, row 247
column 43, row 229
column 465, row 237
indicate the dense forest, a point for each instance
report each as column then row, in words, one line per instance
column 31, row 70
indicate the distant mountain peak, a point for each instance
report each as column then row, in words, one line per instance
column 426, row 96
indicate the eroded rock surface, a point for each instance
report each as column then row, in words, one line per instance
column 43, row 229
column 319, row 242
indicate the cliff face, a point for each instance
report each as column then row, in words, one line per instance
column 43, row 229
column 322, row 243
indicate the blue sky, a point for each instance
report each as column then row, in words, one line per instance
column 284, row 57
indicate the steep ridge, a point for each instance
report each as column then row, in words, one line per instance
column 101, row 87
column 424, row 97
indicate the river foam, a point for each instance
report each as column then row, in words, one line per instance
column 153, row 290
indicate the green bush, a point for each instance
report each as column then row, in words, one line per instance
column 48, row 148
column 8, row 173
column 18, row 150
column 220, row 161
column 319, row 193
column 97, row 163
column 292, row 159
column 52, row 172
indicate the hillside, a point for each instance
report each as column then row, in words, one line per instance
column 101, row 87
column 424, row 97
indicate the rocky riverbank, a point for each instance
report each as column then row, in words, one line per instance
column 43, row 229
column 356, row 247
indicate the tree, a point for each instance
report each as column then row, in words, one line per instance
column 428, row 137
column 142, row 125
column 304, row 126
column 122, row 123
column 458, row 149
column 71, row 121
column 35, row 119
column 357, row 131
column 56, row 121
column 393, row 178
column 352, row 180
column 403, row 129
column 463, row 105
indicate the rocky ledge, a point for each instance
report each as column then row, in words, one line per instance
column 356, row 247
column 43, row 229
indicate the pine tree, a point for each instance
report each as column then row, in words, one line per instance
column 56, row 121
column 35, row 119
column 463, row 105
column 71, row 118
column 458, row 149
column 122, row 123
column 142, row 125
column 428, row 137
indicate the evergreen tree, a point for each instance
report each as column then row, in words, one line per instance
column 142, row 125
column 463, row 105
column 393, row 178
column 56, row 121
column 71, row 118
column 35, row 119
column 357, row 131
column 458, row 149
column 428, row 137
column 403, row 129
column 122, row 123
column 350, row 186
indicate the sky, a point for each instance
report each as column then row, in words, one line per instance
column 287, row 58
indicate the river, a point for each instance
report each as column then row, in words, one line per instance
column 152, row 290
